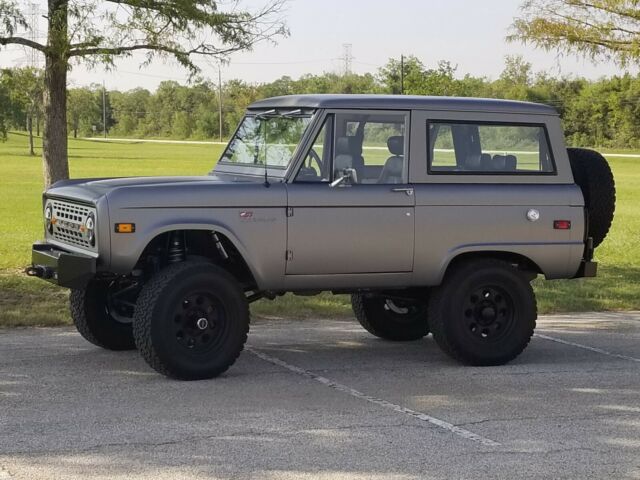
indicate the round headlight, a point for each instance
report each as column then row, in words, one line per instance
column 90, row 225
column 48, row 216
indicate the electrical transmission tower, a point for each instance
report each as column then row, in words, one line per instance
column 33, row 55
column 347, row 57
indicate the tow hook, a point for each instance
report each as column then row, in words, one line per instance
column 39, row 271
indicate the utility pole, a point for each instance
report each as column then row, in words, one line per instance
column 104, row 109
column 220, row 98
column 401, row 74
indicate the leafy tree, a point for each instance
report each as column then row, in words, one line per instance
column 25, row 97
column 391, row 75
column 4, row 111
column 99, row 31
column 129, row 110
column 515, row 80
column 82, row 111
column 596, row 29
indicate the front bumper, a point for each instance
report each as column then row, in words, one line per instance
column 55, row 265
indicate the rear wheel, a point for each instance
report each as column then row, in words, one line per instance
column 391, row 319
column 103, row 312
column 484, row 313
column 191, row 321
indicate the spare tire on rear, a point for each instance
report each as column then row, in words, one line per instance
column 592, row 174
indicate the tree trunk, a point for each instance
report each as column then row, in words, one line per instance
column 54, row 135
column 30, row 130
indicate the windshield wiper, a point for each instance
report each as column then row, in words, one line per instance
column 292, row 113
column 267, row 114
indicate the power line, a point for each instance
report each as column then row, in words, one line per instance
column 295, row 62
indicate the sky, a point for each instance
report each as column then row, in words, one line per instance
column 468, row 33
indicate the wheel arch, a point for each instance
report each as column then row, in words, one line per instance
column 200, row 242
column 522, row 261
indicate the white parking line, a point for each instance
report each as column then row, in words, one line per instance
column 587, row 347
column 461, row 432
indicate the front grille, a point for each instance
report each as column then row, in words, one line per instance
column 70, row 219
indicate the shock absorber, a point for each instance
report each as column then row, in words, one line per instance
column 176, row 251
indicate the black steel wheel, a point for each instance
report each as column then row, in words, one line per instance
column 484, row 313
column 200, row 322
column 489, row 313
column 103, row 312
column 391, row 319
column 191, row 321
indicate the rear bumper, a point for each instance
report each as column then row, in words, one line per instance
column 55, row 265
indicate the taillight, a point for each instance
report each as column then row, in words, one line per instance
column 562, row 224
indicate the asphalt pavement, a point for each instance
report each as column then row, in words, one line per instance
column 324, row 399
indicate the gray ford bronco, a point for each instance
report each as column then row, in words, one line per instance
column 434, row 213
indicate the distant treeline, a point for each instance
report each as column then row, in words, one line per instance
column 602, row 113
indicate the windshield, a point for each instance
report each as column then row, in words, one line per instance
column 268, row 138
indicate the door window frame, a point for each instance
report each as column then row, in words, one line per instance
column 320, row 122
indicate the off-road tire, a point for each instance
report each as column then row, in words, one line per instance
column 469, row 291
column 383, row 323
column 593, row 175
column 162, row 330
column 92, row 319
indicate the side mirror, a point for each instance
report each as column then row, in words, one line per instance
column 349, row 175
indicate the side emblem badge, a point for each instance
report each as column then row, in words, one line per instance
column 246, row 214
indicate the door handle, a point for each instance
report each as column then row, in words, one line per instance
column 407, row 190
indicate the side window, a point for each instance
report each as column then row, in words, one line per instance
column 316, row 165
column 371, row 145
column 489, row 148
column 442, row 150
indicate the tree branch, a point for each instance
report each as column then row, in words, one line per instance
column 79, row 50
column 22, row 41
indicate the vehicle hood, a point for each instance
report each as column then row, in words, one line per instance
column 161, row 192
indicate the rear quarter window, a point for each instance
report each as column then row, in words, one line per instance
column 488, row 149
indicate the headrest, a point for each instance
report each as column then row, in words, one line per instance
column 348, row 146
column 498, row 162
column 485, row 161
column 395, row 145
column 504, row 163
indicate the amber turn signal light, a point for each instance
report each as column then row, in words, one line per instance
column 125, row 227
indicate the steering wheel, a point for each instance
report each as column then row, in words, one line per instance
column 314, row 155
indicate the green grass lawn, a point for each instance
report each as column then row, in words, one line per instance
column 25, row 301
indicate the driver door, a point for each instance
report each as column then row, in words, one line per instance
column 364, row 225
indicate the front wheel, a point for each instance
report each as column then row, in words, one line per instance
column 391, row 319
column 484, row 313
column 103, row 312
column 191, row 321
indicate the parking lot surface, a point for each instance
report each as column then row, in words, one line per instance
column 324, row 399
